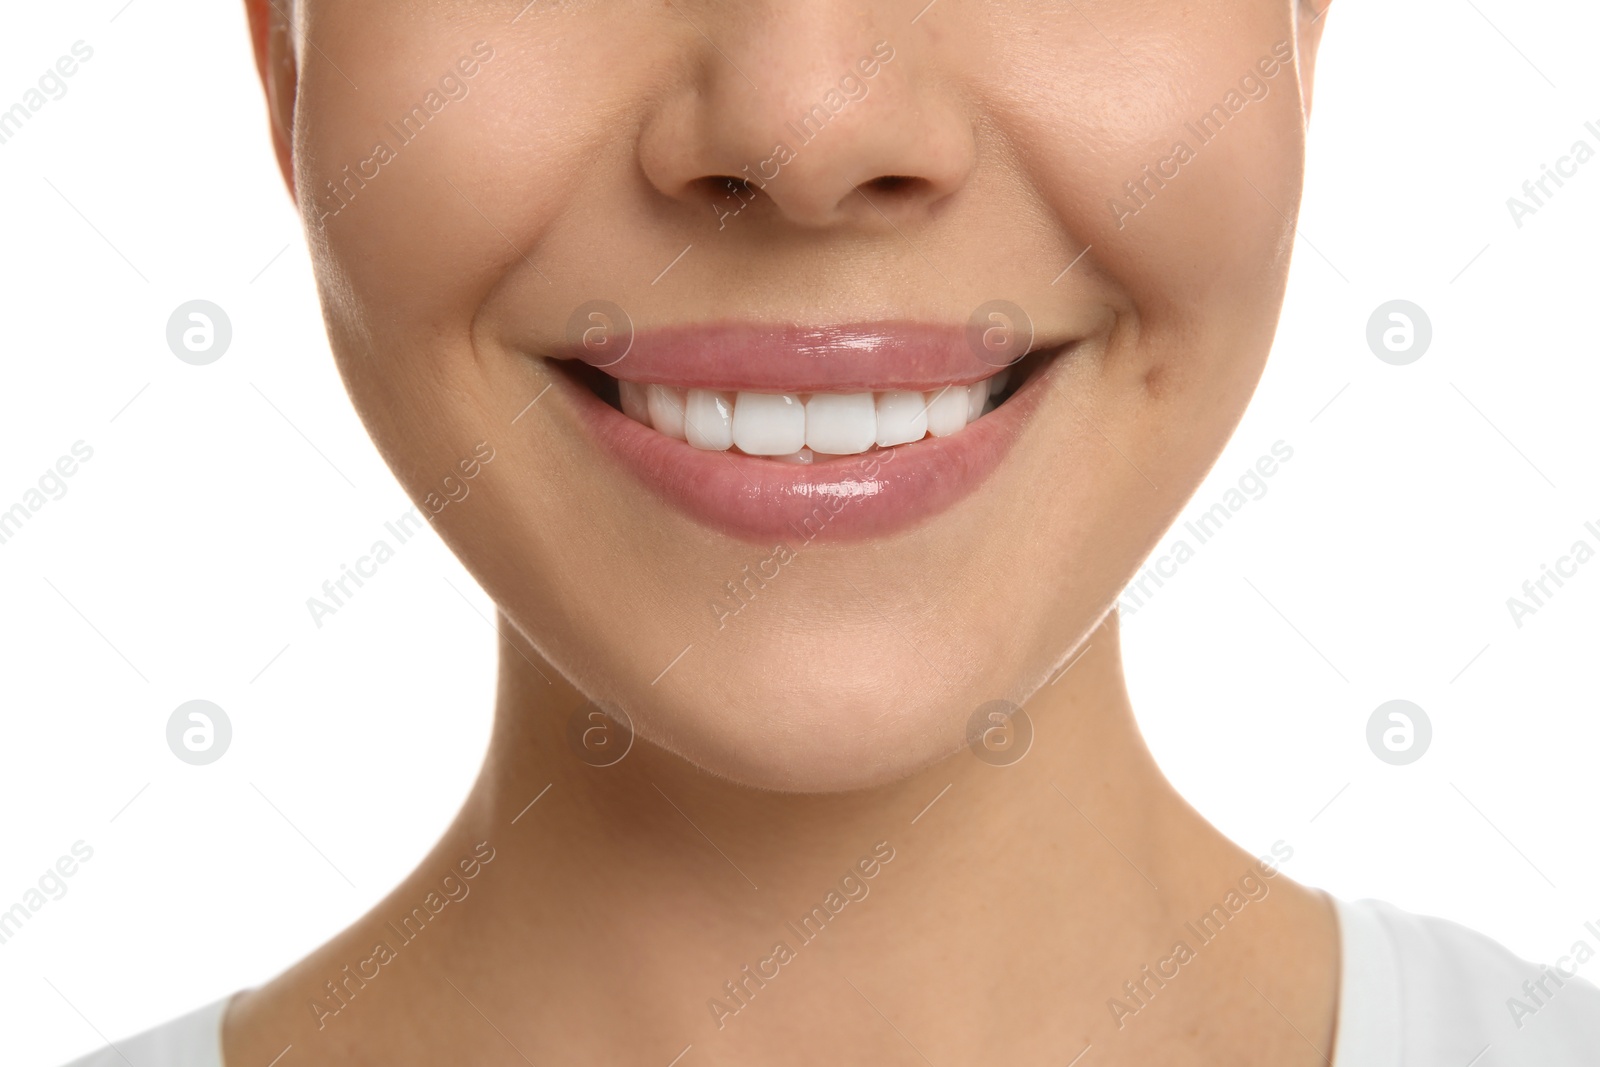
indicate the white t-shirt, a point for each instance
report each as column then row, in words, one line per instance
column 1414, row 991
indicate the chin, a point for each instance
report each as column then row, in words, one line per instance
column 784, row 747
column 843, row 715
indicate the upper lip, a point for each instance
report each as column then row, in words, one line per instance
column 790, row 358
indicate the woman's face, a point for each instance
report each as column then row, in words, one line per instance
column 499, row 195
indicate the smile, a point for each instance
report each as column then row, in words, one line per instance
column 801, row 428
column 782, row 433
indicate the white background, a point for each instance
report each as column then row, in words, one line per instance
column 177, row 566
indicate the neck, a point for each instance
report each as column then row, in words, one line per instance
column 711, row 914
column 1085, row 750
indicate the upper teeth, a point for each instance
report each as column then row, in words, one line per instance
column 796, row 426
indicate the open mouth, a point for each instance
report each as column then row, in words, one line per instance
column 806, row 427
column 773, row 431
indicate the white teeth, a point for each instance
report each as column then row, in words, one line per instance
column 635, row 401
column 708, row 420
column 666, row 410
column 769, row 424
column 902, row 417
column 977, row 397
column 947, row 411
column 841, row 423
column 797, row 428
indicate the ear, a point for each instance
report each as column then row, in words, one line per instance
column 1311, row 18
column 275, row 62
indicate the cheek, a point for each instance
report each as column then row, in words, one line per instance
column 415, row 215
column 418, row 204
column 1189, row 207
column 1186, row 190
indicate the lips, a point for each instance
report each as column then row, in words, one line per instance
column 789, row 433
column 781, row 358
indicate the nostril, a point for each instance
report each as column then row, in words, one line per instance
column 891, row 184
column 727, row 195
column 722, row 186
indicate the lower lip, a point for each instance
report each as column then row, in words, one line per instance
column 848, row 498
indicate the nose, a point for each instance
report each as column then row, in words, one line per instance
column 800, row 106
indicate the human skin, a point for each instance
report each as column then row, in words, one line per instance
column 826, row 716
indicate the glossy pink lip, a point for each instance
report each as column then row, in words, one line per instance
column 846, row 498
column 779, row 358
